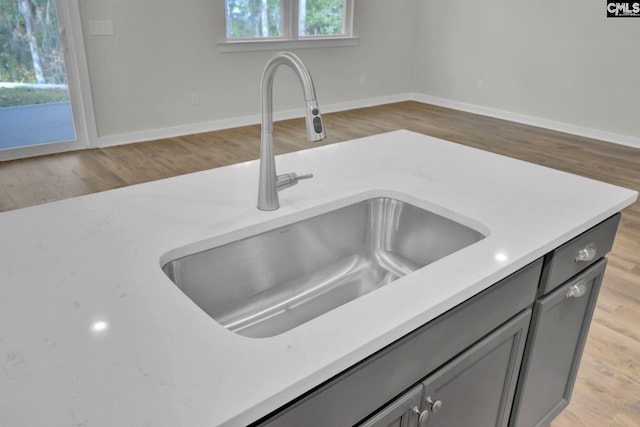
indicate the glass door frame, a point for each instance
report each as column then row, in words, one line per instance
column 75, row 60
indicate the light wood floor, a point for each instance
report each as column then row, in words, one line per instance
column 608, row 389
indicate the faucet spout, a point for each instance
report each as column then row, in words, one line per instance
column 270, row 183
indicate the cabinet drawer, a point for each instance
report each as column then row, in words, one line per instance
column 577, row 254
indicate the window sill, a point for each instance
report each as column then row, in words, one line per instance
column 256, row 45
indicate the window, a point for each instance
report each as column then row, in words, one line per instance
column 321, row 18
column 286, row 23
column 253, row 19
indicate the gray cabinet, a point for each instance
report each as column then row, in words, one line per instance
column 474, row 389
column 557, row 338
column 477, row 388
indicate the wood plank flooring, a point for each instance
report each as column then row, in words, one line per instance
column 607, row 393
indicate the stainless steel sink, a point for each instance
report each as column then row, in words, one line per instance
column 269, row 283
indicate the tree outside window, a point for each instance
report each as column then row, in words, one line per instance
column 30, row 49
column 259, row 19
column 321, row 17
column 253, row 18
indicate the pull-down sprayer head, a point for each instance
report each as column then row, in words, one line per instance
column 315, row 125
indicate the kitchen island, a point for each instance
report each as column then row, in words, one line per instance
column 93, row 333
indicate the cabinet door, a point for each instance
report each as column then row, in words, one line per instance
column 559, row 330
column 399, row 413
column 477, row 388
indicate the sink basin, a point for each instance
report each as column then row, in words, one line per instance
column 271, row 282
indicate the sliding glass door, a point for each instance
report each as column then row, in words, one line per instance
column 39, row 89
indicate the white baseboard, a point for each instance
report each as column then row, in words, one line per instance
column 170, row 132
column 530, row 120
column 148, row 135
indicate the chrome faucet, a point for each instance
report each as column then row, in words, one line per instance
column 270, row 183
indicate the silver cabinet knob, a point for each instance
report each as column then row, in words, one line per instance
column 433, row 406
column 577, row 290
column 423, row 416
column 588, row 253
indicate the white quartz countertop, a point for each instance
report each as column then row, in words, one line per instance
column 92, row 332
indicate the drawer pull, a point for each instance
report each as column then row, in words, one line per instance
column 577, row 290
column 588, row 253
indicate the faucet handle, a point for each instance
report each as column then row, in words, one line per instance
column 287, row 180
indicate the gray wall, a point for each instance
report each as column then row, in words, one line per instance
column 560, row 61
column 162, row 51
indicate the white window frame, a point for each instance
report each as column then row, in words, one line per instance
column 290, row 38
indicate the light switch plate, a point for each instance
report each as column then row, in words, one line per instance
column 101, row 28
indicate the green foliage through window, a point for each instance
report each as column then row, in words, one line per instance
column 253, row 18
column 321, row 17
column 271, row 18
column 30, row 50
